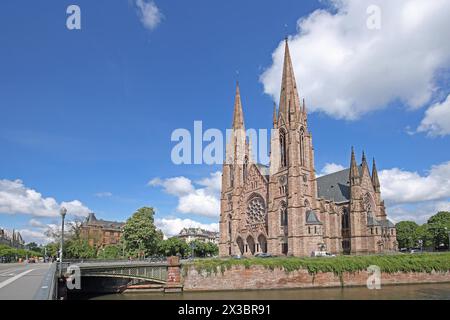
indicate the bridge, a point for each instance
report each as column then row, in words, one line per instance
column 41, row 281
column 117, row 276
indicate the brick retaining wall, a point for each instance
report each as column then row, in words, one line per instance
column 258, row 277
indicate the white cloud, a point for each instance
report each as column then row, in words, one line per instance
column 16, row 198
column 39, row 237
column 171, row 227
column 330, row 168
column 200, row 201
column 103, row 194
column 419, row 212
column 346, row 70
column 437, row 119
column 399, row 186
column 37, row 224
column 149, row 14
column 177, row 186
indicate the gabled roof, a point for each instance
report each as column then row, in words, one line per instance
column 335, row 186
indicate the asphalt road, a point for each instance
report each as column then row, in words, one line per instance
column 21, row 281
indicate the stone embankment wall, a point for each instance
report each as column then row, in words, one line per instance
column 258, row 277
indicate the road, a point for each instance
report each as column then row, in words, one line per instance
column 22, row 281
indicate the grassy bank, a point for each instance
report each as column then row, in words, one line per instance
column 388, row 263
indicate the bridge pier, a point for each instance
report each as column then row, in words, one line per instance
column 173, row 275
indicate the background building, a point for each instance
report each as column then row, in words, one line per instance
column 100, row 233
column 11, row 238
column 192, row 234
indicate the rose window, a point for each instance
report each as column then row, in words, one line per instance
column 256, row 211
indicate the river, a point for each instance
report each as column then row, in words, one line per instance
column 437, row 291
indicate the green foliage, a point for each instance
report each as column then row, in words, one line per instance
column 174, row 246
column 204, row 249
column 338, row 265
column 78, row 249
column 110, row 252
column 140, row 234
column 14, row 254
column 434, row 233
column 439, row 227
column 407, row 234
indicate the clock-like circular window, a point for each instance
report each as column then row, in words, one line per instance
column 256, row 211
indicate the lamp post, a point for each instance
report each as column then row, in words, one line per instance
column 63, row 212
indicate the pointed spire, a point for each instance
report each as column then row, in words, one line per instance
column 375, row 180
column 289, row 100
column 354, row 171
column 365, row 166
column 238, row 117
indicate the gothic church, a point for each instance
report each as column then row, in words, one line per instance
column 283, row 208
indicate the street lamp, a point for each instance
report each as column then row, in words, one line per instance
column 62, row 212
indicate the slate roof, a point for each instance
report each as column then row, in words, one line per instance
column 92, row 220
column 335, row 186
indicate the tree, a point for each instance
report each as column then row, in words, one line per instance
column 140, row 233
column 439, row 227
column 78, row 249
column 174, row 246
column 110, row 252
column 204, row 249
column 33, row 246
column 407, row 234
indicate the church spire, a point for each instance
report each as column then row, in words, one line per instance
column 238, row 117
column 375, row 180
column 354, row 171
column 365, row 166
column 289, row 100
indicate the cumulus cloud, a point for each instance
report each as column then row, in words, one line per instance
column 330, row 168
column 16, row 198
column 149, row 14
column 345, row 69
column 204, row 201
column 419, row 212
column 400, row 186
column 39, row 237
column 437, row 119
column 171, row 227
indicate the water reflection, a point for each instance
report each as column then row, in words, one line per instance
column 440, row 291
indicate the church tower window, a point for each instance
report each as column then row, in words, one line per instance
column 283, row 149
column 245, row 168
column 302, row 147
column 231, row 176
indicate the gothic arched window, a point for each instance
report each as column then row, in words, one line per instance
column 283, row 149
column 345, row 219
column 245, row 168
column 231, row 176
column 302, row 147
column 283, row 215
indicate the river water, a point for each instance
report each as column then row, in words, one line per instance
column 438, row 291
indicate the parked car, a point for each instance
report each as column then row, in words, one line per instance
column 237, row 256
column 322, row 254
column 263, row 255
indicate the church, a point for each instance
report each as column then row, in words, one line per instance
column 283, row 208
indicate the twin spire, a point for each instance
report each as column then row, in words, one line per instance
column 289, row 107
column 238, row 117
column 289, row 100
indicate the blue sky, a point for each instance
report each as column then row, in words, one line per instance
column 87, row 115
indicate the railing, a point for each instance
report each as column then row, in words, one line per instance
column 49, row 286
